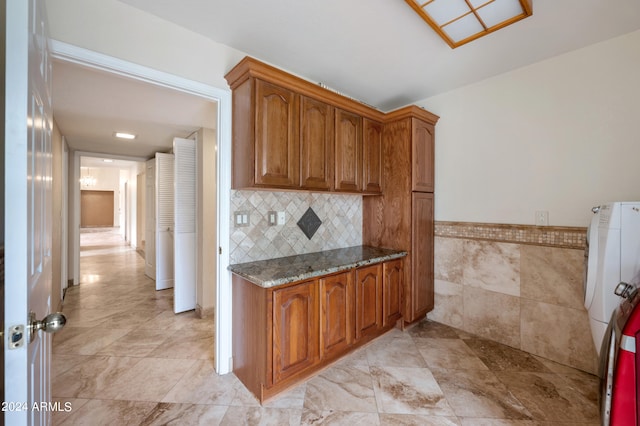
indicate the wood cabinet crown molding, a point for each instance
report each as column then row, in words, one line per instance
column 411, row 111
column 251, row 67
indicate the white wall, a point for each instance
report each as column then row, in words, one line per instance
column 560, row 135
column 122, row 31
column 207, row 217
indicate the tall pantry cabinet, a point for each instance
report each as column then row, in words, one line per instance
column 402, row 218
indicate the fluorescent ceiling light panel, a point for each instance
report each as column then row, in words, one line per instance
column 107, row 160
column 461, row 21
column 124, row 135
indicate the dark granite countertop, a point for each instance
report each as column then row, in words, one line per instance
column 283, row 270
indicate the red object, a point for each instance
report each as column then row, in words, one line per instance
column 625, row 407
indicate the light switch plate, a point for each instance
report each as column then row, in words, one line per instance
column 272, row 218
column 241, row 219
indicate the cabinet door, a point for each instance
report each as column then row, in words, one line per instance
column 316, row 144
column 372, row 156
column 336, row 314
column 295, row 329
column 420, row 296
column 277, row 154
column 348, row 151
column 423, row 156
column 368, row 300
column 392, row 274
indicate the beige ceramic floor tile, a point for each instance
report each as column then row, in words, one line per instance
column 251, row 416
column 395, row 349
column 549, row 397
column 150, row 379
column 477, row 393
column 136, row 343
column 402, row 390
column 107, row 412
column 92, row 378
column 202, row 385
column 185, row 414
column 338, row 418
column 416, row 420
column 450, row 354
column 341, row 388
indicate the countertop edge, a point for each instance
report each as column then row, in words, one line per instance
column 313, row 274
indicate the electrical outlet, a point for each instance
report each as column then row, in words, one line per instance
column 281, row 218
column 542, row 218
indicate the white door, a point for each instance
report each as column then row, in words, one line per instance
column 150, row 220
column 184, row 292
column 164, row 221
column 28, row 126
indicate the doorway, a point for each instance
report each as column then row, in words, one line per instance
column 222, row 133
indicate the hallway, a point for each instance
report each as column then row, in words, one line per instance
column 125, row 358
column 122, row 346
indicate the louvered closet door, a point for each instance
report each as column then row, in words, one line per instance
column 184, row 151
column 164, row 221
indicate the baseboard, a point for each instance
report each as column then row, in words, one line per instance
column 205, row 312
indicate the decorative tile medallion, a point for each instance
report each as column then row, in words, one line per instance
column 309, row 223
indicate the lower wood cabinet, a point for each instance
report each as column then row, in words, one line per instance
column 336, row 314
column 368, row 300
column 392, row 282
column 295, row 329
column 285, row 334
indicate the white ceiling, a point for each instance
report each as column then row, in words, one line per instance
column 381, row 51
column 377, row 51
column 90, row 105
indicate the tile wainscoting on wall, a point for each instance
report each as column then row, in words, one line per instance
column 515, row 284
column 341, row 216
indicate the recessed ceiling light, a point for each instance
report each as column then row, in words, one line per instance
column 107, row 160
column 124, row 135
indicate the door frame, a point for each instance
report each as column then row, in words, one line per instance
column 87, row 58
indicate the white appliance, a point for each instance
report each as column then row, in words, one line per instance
column 612, row 255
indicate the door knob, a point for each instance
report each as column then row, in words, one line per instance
column 52, row 323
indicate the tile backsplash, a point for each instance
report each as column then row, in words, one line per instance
column 341, row 216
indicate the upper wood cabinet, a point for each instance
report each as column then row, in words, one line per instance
column 316, row 144
column 292, row 134
column 348, row 149
column 372, row 156
column 423, row 155
column 276, row 138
